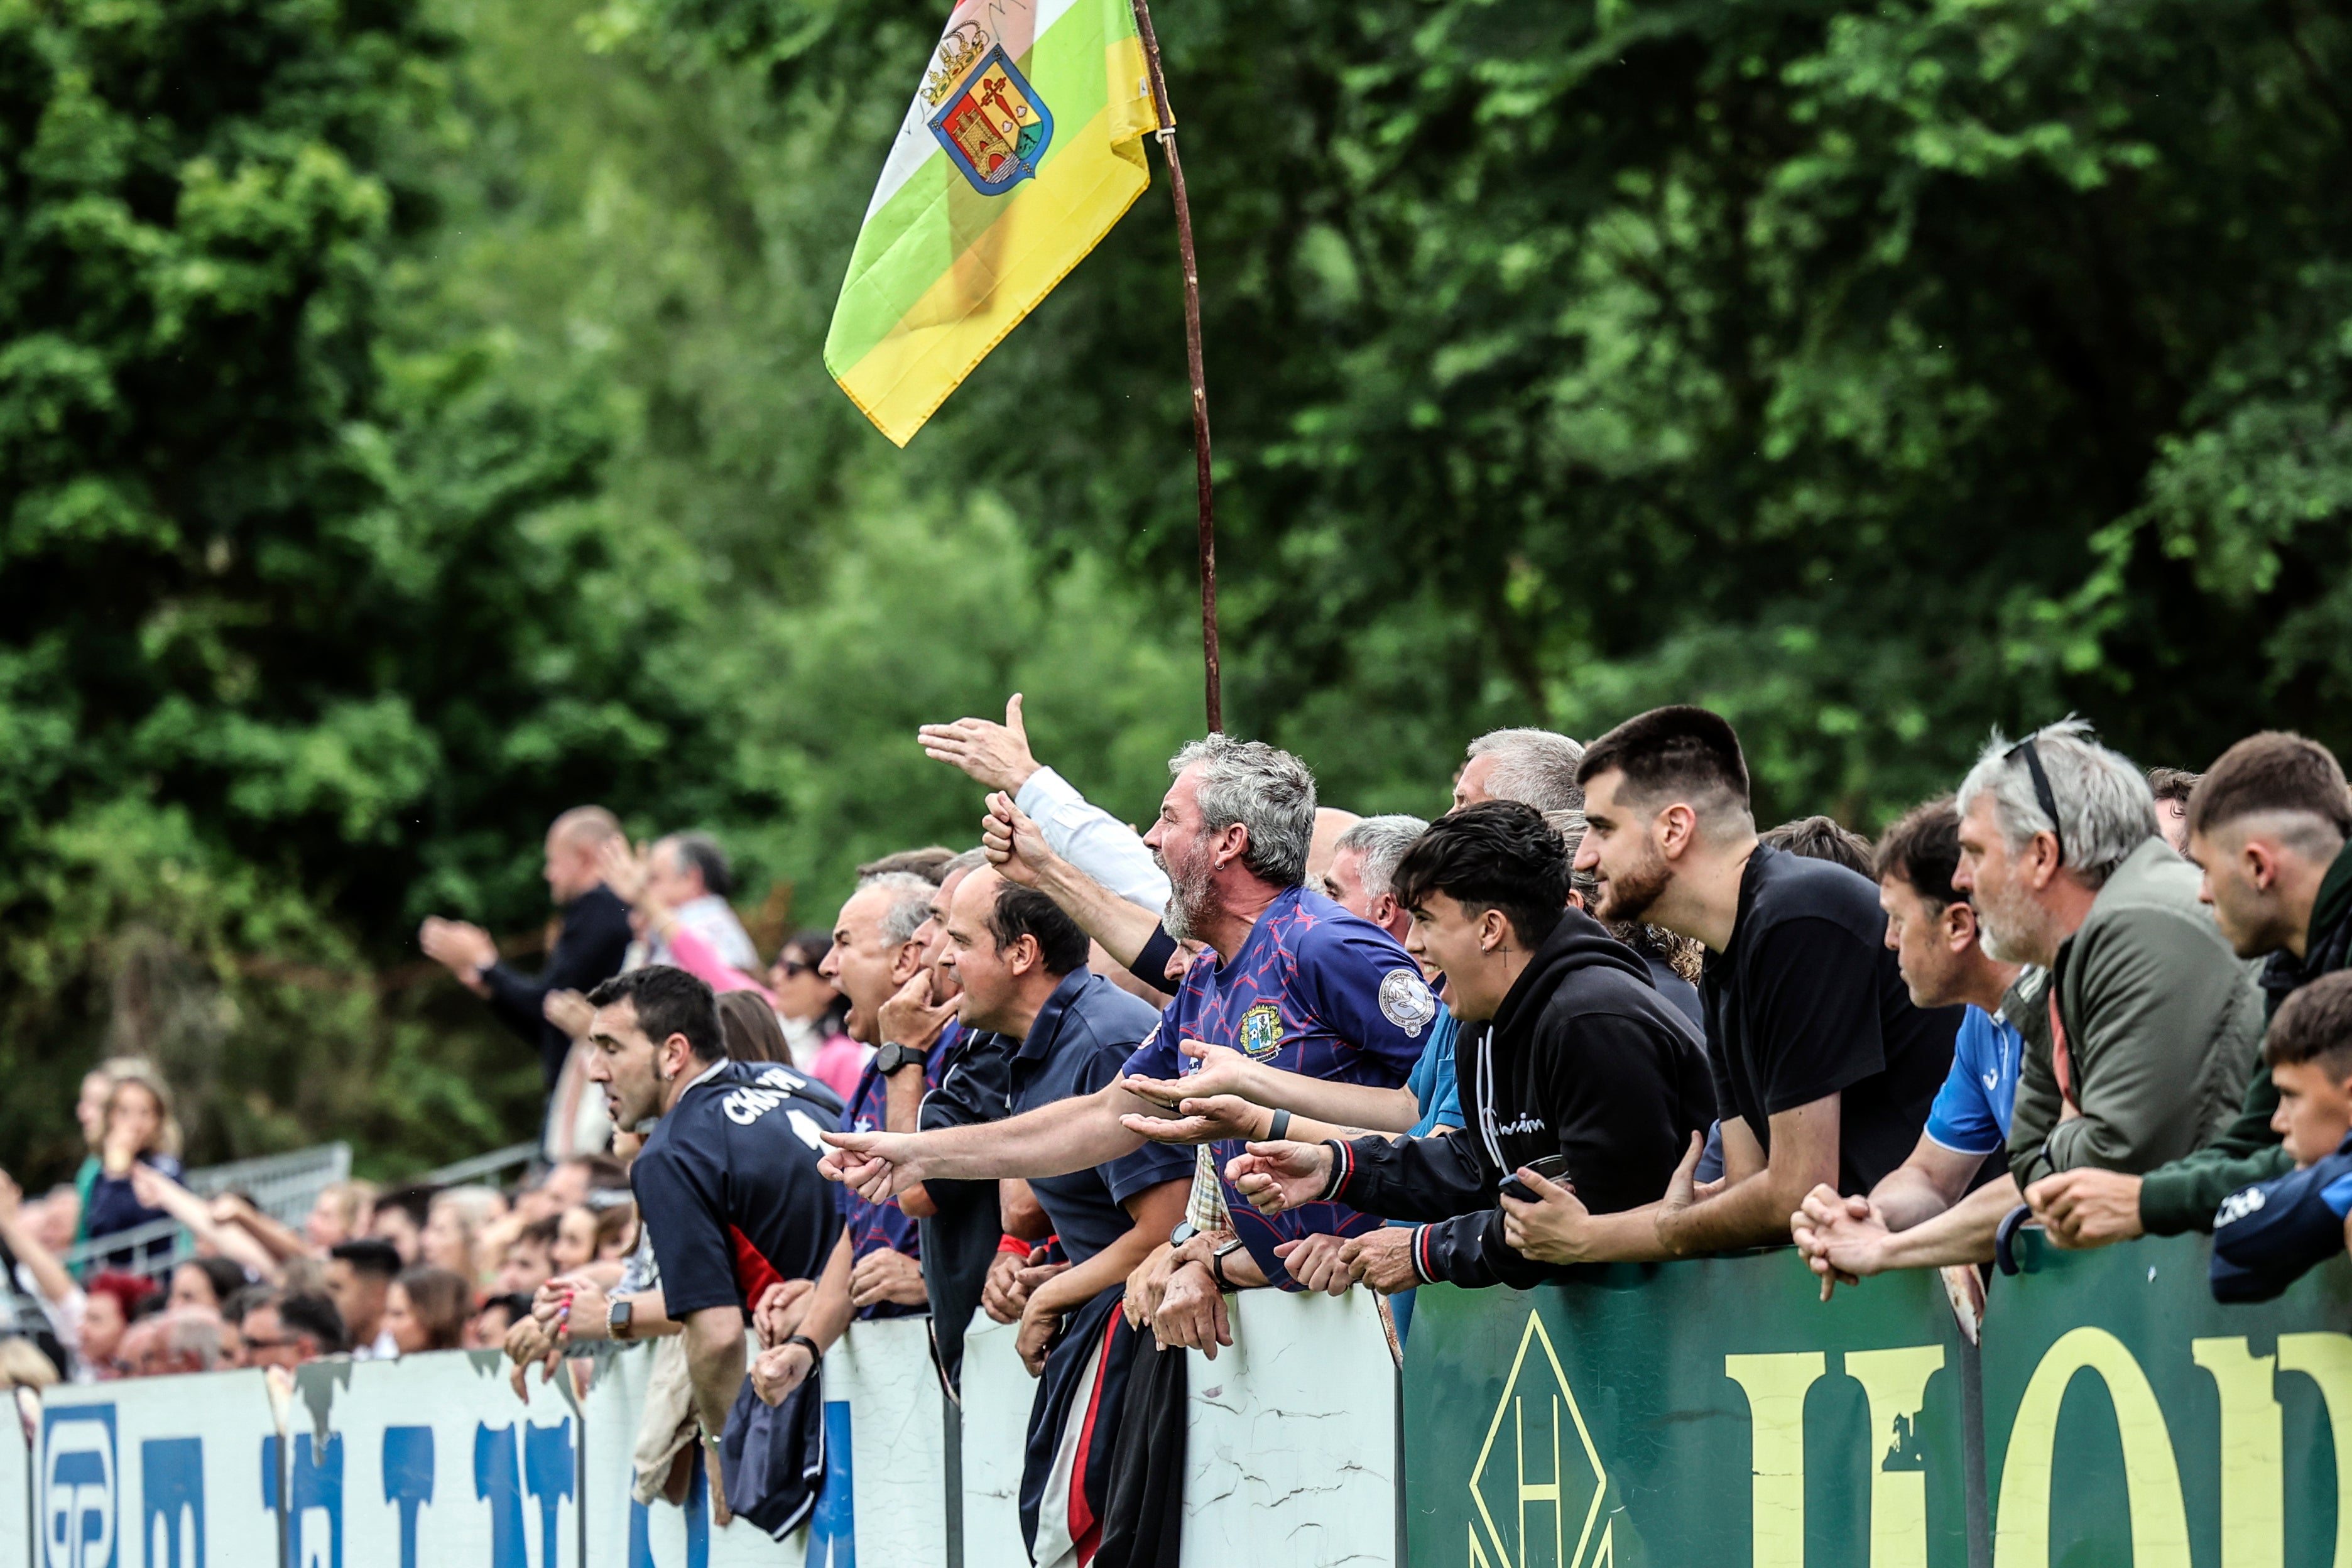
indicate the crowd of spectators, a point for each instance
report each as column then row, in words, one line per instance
column 1091, row 1080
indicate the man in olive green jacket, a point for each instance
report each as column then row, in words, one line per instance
column 2157, row 1027
column 2269, row 825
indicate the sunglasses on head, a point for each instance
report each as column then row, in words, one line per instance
column 2043, row 794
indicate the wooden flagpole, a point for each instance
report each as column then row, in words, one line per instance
column 1193, row 359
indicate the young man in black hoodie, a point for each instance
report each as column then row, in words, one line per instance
column 1567, row 1051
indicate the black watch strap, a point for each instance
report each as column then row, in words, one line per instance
column 815, row 1354
column 895, row 1058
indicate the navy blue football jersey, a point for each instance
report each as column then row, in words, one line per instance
column 2267, row 1236
column 728, row 1186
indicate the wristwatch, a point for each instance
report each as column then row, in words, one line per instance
column 1182, row 1233
column 894, row 1056
column 1217, row 1263
column 618, row 1321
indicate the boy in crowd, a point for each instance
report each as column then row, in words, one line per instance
column 2268, row 1234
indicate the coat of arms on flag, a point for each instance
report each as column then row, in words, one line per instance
column 993, row 125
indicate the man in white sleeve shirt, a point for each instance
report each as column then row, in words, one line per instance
column 1088, row 837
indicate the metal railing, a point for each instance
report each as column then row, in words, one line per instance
column 283, row 1186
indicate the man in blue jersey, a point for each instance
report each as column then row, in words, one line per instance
column 1291, row 979
column 1923, row 1210
column 727, row 1181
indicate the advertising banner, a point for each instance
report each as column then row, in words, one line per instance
column 1707, row 1412
column 623, row 1532
column 432, row 1462
column 178, row 1472
column 2131, row 1418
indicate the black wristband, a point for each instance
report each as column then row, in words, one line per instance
column 815, row 1352
column 1150, row 965
column 1280, row 1128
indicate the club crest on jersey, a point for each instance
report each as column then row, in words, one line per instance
column 1405, row 1002
column 1262, row 1030
column 993, row 125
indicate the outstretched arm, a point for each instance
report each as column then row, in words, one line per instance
column 1051, row 1141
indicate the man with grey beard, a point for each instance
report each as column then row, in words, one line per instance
column 2154, row 1023
column 1290, row 978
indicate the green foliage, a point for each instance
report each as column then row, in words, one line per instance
column 417, row 426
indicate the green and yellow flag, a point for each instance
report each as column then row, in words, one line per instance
column 1023, row 145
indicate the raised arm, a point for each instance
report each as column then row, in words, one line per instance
column 1018, row 849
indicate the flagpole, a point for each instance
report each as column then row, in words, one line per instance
column 1167, row 117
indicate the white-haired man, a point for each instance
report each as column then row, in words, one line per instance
column 2154, row 1023
column 1535, row 767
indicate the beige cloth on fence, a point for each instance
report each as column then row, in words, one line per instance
column 667, row 1431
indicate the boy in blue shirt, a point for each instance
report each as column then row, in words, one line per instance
column 2267, row 1235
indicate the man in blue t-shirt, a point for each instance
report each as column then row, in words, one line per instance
column 2268, row 1234
column 1931, row 1209
column 1290, row 979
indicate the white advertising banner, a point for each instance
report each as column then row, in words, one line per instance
column 625, row 1533
column 430, row 1461
column 179, row 1472
column 1292, row 1435
column 886, row 1438
column 997, row 1394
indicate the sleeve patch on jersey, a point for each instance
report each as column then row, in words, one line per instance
column 1405, row 1002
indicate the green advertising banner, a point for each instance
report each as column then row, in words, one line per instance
column 2132, row 1419
column 1719, row 1413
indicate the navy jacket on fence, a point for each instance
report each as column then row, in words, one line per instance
column 2269, row 1235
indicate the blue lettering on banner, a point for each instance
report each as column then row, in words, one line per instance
column 548, row 1469
column 78, row 1487
column 172, row 1501
column 832, row 1523
column 408, row 1480
column 698, row 1524
column 313, row 1507
column 500, row 1475
column 497, row 1481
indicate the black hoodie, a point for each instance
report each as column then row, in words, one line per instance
column 1584, row 1059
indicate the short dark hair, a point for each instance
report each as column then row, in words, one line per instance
column 515, row 1304
column 370, row 1255
column 1022, row 911
column 225, row 1275
column 2171, row 784
column 415, row 1201
column 233, row 1308
column 668, row 1001
column 540, row 1232
column 1497, row 855
column 1923, row 849
column 1681, row 750
column 2314, row 1024
column 702, row 852
column 1822, row 838
column 2273, row 771
column 304, row 1314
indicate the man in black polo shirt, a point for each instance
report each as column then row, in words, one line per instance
column 727, row 1181
column 1823, row 1070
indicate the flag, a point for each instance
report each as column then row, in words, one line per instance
column 1023, row 145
